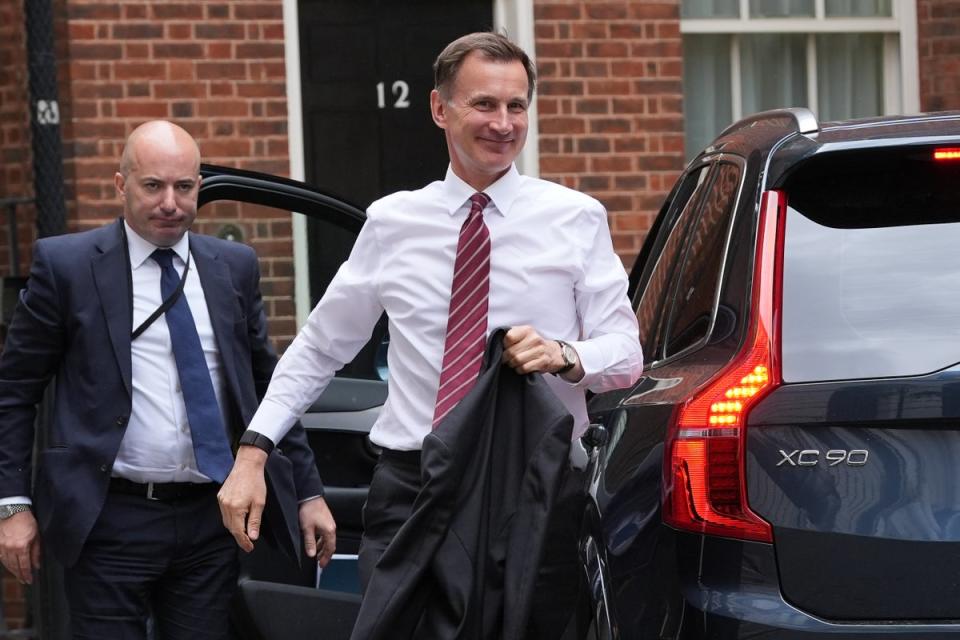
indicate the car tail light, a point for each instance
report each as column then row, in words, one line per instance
column 947, row 154
column 704, row 480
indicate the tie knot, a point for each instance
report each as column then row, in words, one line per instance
column 163, row 257
column 480, row 202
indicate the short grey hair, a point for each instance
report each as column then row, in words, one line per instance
column 492, row 46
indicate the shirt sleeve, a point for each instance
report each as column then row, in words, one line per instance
column 609, row 347
column 334, row 333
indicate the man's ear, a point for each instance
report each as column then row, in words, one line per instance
column 121, row 184
column 438, row 109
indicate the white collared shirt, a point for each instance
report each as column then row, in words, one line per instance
column 157, row 446
column 552, row 266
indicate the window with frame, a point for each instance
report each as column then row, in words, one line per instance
column 840, row 58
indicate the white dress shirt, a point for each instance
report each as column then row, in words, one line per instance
column 157, row 446
column 552, row 266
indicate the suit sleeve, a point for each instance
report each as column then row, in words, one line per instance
column 263, row 358
column 31, row 355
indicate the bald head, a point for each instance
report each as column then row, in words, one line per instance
column 159, row 182
column 158, row 135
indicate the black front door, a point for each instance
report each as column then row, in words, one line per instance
column 366, row 75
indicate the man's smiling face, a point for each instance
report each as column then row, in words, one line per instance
column 484, row 118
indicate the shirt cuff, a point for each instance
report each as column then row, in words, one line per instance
column 272, row 420
column 592, row 361
column 16, row 500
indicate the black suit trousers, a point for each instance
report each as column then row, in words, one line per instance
column 172, row 561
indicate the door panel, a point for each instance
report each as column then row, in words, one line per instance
column 279, row 598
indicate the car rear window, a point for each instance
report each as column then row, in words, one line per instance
column 871, row 276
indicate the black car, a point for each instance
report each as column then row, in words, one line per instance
column 787, row 466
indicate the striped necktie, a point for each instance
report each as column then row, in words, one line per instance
column 467, row 319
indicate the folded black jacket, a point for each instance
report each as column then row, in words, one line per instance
column 464, row 565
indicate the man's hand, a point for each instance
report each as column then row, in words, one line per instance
column 20, row 545
column 526, row 351
column 243, row 495
column 317, row 525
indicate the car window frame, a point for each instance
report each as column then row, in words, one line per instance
column 668, row 318
column 666, row 225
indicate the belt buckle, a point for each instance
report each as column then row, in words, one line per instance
column 150, row 492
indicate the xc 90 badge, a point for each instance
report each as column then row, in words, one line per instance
column 832, row 457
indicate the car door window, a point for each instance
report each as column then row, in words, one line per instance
column 694, row 299
column 663, row 260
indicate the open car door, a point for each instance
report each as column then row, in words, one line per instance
column 277, row 599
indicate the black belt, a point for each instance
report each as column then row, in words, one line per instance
column 411, row 458
column 163, row 491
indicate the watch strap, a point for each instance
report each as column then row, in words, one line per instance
column 258, row 440
column 8, row 510
column 568, row 363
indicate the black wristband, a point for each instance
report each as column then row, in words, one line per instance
column 257, row 440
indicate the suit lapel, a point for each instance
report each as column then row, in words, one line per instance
column 218, row 291
column 111, row 272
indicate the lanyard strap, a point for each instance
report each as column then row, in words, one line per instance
column 169, row 302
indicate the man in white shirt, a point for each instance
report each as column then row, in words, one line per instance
column 550, row 269
column 158, row 342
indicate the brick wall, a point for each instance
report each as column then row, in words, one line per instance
column 214, row 67
column 16, row 177
column 610, row 105
column 16, row 172
column 939, row 44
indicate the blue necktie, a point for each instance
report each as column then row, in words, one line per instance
column 210, row 444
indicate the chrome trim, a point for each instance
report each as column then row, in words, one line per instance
column 716, row 432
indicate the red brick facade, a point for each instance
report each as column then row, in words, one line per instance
column 16, row 172
column 938, row 26
column 611, row 106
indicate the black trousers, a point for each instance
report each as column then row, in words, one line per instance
column 171, row 560
column 559, row 587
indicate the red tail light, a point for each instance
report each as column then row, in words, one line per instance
column 704, row 480
column 947, row 154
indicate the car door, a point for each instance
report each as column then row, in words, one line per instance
column 279, row 599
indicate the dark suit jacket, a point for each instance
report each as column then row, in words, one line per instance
column 74, row 322
column 465, row 563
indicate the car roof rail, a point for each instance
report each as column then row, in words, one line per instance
column 802, row 117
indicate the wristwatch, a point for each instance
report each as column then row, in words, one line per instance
column 569, row 355
column 257, row 440
column 7, row 510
